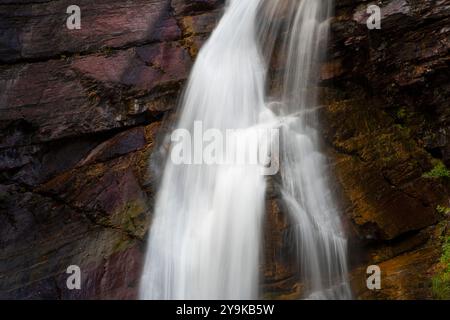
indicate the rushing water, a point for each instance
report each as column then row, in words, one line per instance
column 205, row 239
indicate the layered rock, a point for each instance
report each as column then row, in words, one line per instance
column 386, row 121
column 79, row 113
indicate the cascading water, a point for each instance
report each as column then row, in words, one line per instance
column 205, row 238
column 320, row 240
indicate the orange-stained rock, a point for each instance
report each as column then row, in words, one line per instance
column 279, row 265
column 404, row 277
column 407, row 267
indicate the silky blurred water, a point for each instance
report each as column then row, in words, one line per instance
column 206, row 235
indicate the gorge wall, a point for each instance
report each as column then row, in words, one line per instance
column 82, row 111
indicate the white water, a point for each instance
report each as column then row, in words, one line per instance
column 205, row 238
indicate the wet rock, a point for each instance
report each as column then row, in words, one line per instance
column 385, row 125
column 41, row 236
column 143, row 68
column 407, row 267
column 380, row 169
column 38, row 30
column 186, row 8
column 80, row 111
column 281, row 275
column 121, row 144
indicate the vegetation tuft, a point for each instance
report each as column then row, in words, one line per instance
column 441, row 280
column 439, row 171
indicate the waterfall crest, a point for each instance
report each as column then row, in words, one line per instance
column 205, row 238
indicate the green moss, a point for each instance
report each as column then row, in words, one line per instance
column 122, row 244
column 439, row 171
column 445, row 258
column 108, row 51
column 441, row 281
column 401, row 113
column 443, row 210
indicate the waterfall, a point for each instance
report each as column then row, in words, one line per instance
column 320, row 240
column 206, row 234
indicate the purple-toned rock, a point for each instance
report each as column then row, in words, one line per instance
column 191, row 7
column 57, row 99
column 142, row 68
column 126, row 142
column 39, row 30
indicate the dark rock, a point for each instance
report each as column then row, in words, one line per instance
column 385, row 123
column 38, row 30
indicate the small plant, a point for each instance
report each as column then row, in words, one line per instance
column 443, row 210
column 445, row 258
column 441, row 281
column 108, row 51
column 401, row 114
column 439, row 171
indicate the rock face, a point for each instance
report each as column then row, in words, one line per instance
column 79, row 114
column 386, row 123
column 82, row 110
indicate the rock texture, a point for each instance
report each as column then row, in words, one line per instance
column 81, row 112
column 386, row 123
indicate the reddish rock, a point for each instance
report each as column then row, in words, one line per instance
column 56, row 106
column 121, row 144
column 42, row 32
column 62, row 104
column 407, row 267
column 190, row 7
column 143, row 68
column 41, row 237
column 79, row 115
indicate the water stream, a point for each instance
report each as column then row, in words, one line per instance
column 206, row 236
